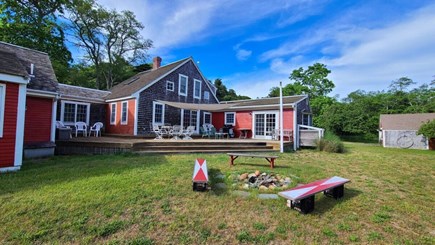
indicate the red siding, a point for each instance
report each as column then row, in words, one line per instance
column 244, row 120
column 37, row 126
column 7, row 142
column 119, row 128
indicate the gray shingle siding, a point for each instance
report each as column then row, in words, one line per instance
column 158, row 92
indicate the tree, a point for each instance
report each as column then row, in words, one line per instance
column 313, row 81
column 427, row 130
column 223, row 94
column 35, row 25
column 111, row 40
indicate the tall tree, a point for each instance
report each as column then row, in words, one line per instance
column 112, row 40
column 35, row 24
column 313, row 82
column 223, row 94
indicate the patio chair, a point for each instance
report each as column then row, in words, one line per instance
column 96, row 128
column 176, row 132
column 81, row 127
column 159, row 133
column 187, row 133
column 63, row 130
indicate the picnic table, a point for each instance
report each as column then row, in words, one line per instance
column 302, row 197
column 234, row 156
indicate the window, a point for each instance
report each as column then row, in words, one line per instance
column 124, row 112
column 207, row 117
column 306, row 119
column 158, row 113
column 206, row 95
column 113, row 113
column 2, row 107
column 182, row 85
column 72, row 112
column 197, row 89
column 230, row 118
column 169, row 86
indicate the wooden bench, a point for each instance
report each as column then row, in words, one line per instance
column 301, row 197
column 270, row 159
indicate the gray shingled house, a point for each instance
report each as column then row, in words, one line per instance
column 400, row 130
column 139, row 102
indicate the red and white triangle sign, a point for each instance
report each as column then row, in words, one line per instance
column 200, row 172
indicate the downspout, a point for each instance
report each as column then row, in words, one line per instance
column 135, row 115
column 53, row 118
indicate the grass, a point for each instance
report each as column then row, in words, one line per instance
column 130, row 199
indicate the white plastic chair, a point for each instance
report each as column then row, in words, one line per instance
column 188, row 132
column 176, row 132
column 81, row 127
column 96, row 128
column 158, row 132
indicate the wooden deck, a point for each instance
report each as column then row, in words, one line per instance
column 112, row 144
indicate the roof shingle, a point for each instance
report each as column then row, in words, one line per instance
column 404, row 121
column 44, row 77
column 141, row 80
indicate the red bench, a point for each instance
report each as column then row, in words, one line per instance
column 301, row 197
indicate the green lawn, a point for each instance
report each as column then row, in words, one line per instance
column 130, row 199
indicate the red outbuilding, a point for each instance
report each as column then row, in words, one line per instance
column 13, row 82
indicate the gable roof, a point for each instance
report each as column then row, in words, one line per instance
column 404, row 121
column 82, row 94
column 44, row 77
column 142, row 79
column 9, row 64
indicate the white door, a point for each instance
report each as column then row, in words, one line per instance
column 264, row 124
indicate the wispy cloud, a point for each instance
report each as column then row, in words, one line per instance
column 243, row 54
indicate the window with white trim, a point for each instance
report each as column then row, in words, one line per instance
column 2, row 107
column 182, row 85
column 230, row 118
column 206, row 95
column 113, row 113
column 196, row 89
column 124, row 112
column 158, row 113
column 169, row 86
column 72, row 112
column 207, row 117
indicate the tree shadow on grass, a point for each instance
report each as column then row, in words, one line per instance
column 36, row 174
column 323, row 203
column 217, row 180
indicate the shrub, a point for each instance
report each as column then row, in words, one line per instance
column 330, row 143
column 427, row 129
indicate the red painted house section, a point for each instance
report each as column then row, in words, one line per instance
column 244, row 120
column 37, row 126
column 7, row 142
column 119, row 128
column 218, row 119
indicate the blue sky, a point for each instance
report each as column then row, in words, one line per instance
column 252, row 45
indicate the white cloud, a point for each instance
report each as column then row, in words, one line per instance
column 243, row 54
column 365, row 58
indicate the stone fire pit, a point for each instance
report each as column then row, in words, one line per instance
column 262, row 181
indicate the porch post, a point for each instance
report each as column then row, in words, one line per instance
column 281, row 119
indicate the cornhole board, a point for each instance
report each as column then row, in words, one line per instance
column 200, row 175
column 301, row 197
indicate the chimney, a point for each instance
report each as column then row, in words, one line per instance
column 156, row 62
